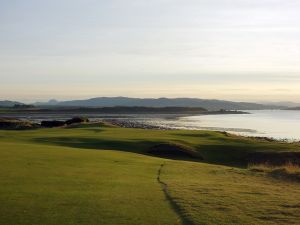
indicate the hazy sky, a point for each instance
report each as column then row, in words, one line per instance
column 226, row 49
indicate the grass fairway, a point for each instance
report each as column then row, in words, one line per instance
column 101, row 175
column 58, row 185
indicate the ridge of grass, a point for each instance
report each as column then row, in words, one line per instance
column 214, row 147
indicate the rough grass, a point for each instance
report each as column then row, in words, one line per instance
column 97, row 174
column 288, row 171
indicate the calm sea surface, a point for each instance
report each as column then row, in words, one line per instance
column 279, row 124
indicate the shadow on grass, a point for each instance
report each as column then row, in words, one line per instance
column 97, row 144
column 233, row 153
column 136, row 146
column 222, row 154
column 215, row 154
column 230, row 152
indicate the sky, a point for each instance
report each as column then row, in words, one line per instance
column 243, row 50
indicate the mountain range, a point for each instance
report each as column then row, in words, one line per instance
column 281, row 103
column 210, row 104
column 7, row 103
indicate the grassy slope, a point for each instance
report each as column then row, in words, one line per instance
column 215, row 147
column 51, row 176
column 57, row 185
column 209, row 194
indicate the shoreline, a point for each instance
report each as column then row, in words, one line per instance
column 143, row 121
column 141, row 125
column 134, row 124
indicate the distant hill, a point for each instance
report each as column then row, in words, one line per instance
column 282, row 103
column 119, row 110
column 294, row 108
column 7, row 103
column 50, row 102
column 210, row 104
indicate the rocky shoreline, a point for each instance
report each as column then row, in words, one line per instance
column 135, row 124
